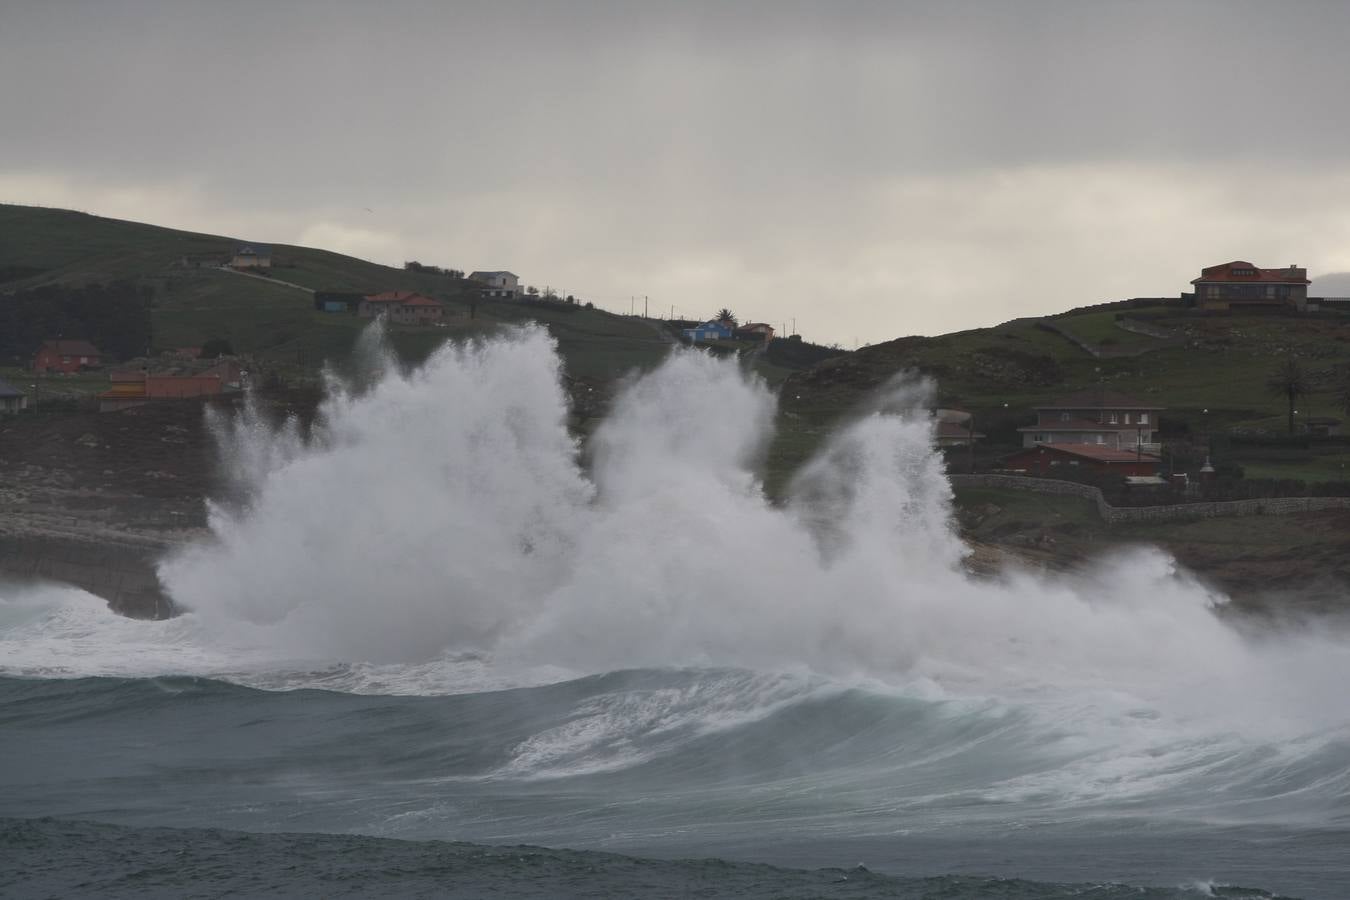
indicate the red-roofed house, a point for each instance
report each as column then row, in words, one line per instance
column 1239, row 284
column 65, row 356
column 1053, row 459
column 404, row 307
column 1105, row 418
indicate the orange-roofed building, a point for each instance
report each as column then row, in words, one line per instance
column 403, row 307
column 1241, row 285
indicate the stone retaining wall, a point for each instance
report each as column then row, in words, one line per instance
column 1268, row 506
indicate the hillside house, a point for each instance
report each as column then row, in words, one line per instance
column 1063, row 459
column 252, row 256
column 1241, row 285
column 66, row 357
column 709, row 331
column 499, row 284
column 754, row 331
column 12, row 399
column 403, row 307
column 136, row 387
column 1105, row 418
column 954, row 428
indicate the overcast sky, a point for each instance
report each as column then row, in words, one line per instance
column 869, row 169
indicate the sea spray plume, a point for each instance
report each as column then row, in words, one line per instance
column 250, row 446
column 429, row 512
column 444, row 509
column 879, row 479
column 688, row 563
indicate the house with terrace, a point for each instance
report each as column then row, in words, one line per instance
column 1239, row 285
column 1100, row 417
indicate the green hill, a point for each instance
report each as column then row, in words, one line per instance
column 271, row 318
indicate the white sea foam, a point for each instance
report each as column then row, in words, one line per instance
column 438, row 532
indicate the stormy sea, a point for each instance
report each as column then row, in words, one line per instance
column 436, row 647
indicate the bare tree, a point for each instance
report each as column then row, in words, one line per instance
column 1288, row 380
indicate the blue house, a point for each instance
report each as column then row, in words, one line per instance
column 709, row 331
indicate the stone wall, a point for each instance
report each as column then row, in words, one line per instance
column 1268, row 506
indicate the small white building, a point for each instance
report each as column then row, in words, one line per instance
column 501, row 284
column 252, row 256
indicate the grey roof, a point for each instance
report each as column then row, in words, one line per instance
column 9, row 390
column 256, row 249
column 475, row 275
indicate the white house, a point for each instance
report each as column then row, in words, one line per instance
column 499, row 284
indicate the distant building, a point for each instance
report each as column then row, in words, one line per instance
column 1322, row 426
column 754, row 331
column 1054, row 459
column 709, row 331
column 1241, row 285
column 138, row 387
column 337, row 301
column 499, row 284
column 954, row 428
column 12, row 399
column 1105, row 418
column 252, row 256
column 66, row 356
column 403, row 307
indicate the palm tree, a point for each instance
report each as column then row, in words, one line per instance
column 726, row 317
column 1288, row 380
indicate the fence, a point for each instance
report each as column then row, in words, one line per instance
column 1268, row 506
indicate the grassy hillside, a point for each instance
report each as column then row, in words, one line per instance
column 275, row 321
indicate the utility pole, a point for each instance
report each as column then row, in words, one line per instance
column 794, row 324
column 970, row 426
column 631, row 301
column 644, row 306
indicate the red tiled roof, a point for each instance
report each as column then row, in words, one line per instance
column 1098, row 400
column 955, row 430
column 1080, row 425
column 1102, row 453
column 1241, row 272
column 71, row 348
column 419, row 300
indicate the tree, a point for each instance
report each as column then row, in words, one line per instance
column 1288, row 380
column 1343, row 392
column 215, row 348
column 726, row 317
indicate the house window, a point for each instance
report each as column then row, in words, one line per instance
column 1143, row 418
column 1064, row 417
column 1040, row 439
column 1127, row 418
column 1101, row 438
column 1115, row 419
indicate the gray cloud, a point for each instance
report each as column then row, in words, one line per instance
column 871, row 168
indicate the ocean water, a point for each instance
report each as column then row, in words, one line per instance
column 434, row 647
